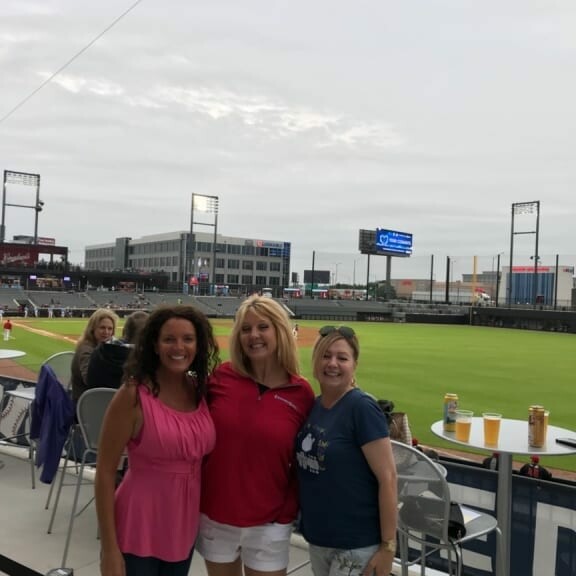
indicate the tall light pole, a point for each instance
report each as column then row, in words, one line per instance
column 495, row 277
column 336, row 264
column 207, row 205
column 521, row 208
column 354, row 272
column 23, row 179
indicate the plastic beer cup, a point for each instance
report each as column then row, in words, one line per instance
column 491, row 427
column 463, row 425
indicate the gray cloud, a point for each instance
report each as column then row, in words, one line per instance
column 308, row 120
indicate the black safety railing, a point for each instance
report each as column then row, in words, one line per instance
column 13, row 568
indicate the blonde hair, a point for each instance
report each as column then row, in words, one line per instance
column 88, row 336
column 324, row 342
column 286, row 350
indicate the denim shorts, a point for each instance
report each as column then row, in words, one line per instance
column 338, row 562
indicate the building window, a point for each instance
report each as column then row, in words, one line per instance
column 274, row 266
column 232, row 279
column 219, row 278
column 260, row 281
column 247, row 265
column 248, row 250
column 203, row 246
column 233, row 264
column 262, row 266
column 274, row 281
column 247, row 280
column 220, row 262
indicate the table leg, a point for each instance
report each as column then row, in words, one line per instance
column 504, row 510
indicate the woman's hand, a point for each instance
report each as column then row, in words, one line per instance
column 112, row 563
column 380, row 564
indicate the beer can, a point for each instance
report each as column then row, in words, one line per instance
column 450, row 407
column 536, row 426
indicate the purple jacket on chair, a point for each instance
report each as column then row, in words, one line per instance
column 52, row 415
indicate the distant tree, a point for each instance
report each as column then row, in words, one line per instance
column 385, row 291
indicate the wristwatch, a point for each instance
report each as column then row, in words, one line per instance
column 389, row 545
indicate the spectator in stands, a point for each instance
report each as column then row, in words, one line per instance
column 149, row 525
column 346, row 470
column 107, row 361
column 258, row 402
column 100, row 327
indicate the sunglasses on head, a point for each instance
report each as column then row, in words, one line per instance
column 344, row 331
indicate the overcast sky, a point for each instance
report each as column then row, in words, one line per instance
column 308, row 119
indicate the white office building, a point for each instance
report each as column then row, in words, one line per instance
column 231, row 266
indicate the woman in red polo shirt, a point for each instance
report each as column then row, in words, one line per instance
column 258, row 402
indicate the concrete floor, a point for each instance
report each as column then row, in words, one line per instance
column 23, row 524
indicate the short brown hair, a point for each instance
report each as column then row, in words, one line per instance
column 324, row 342
column 133, row 326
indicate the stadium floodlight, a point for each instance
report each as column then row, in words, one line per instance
column 525, row 207
column 21, row 179
column 204, row 204
column 522, row 208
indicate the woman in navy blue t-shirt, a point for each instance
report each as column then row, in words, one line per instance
column 346, row 468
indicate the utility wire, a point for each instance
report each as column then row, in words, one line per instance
column 64, row 66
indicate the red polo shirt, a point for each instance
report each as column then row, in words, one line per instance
column 249, row 478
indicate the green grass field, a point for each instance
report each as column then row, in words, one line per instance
column 415, row 365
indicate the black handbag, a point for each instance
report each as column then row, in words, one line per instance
column 425, row 514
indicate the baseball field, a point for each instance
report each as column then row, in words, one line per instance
column 414, row 365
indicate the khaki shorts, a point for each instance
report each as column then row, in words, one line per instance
column 264, row 548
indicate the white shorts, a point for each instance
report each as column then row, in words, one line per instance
column 264, row 548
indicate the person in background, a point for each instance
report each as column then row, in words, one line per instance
column 346, row 470
column 107, row 360
column 159, row 415
column 100, row 328
column 258, row 402
column 7, row 329
column 295, row 331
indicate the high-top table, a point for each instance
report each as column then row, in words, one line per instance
column 513, row 439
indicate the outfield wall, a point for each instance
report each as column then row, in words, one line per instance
column 526, row 318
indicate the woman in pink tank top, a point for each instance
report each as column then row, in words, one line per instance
column 159, row 416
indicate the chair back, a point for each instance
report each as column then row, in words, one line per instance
column 423, row 493
column 90, row 411
column 61, row 363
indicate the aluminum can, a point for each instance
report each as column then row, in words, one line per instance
column 450, row 407
column 536, row 426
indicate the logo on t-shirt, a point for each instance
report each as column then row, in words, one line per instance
column 311, row 449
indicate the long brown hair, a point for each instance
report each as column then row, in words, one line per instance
column 143, row 361
column 88, row 336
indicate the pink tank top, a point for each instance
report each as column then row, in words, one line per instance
column 158, row 502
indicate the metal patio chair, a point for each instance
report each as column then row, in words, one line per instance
column 90, row 411
column 424, row 512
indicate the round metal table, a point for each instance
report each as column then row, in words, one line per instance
column 513, row 439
